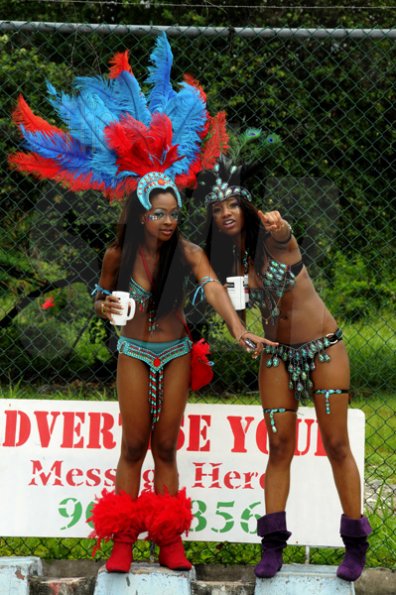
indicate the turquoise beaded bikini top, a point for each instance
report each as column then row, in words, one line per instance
column 138, row 293
column 277, row 279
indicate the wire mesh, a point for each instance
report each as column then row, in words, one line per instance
column 329, row 95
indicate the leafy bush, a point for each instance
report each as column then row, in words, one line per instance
column 358, row 289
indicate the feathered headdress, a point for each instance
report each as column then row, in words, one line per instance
column 226, row 178
column 117, row 139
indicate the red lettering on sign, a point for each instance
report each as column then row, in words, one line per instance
column 17, row 428
column 239, row 430
column 209, row 471
column 229, row 477
column 300, row 432
column 320, row 449
column 53, row 476
column 45, row 429
column 100, row 434
column 249, row 475
column 148, row 479
column 74, row 477
column 72, row 429
column 261, row 437
column 198, row 437
column 71, row 475
column 93, row 477
column 110, row 475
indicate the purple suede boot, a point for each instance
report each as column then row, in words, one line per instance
column 354, row 534
column 272, row 528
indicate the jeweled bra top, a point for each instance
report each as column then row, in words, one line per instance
column 277, row 279
column 138, row 293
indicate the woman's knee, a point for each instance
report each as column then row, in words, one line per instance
column 281, row 448
column 164, row 451
column 337, row 448
column 133, row 451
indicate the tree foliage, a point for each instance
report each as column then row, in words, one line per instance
column 329, row 99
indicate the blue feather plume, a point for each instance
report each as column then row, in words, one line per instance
column 85, row 115
column 103, row 88
column 127, row 92
column 66, row 151
column 187, row 112
column 159, row 75
column 71, row 155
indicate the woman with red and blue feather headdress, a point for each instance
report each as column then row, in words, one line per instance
column 123, row 144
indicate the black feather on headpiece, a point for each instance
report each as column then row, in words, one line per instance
column 227, row 178
column 222, row 182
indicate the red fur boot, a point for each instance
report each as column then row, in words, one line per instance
column 170, row 517
column 120, row 518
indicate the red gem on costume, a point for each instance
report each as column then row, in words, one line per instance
column 157, row 362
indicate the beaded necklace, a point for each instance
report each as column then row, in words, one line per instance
column 151, row 313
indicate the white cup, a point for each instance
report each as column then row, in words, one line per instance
column 246, row 287
column 128, row 305
column 236, row 291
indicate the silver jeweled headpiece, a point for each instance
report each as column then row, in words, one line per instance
column 225, row 176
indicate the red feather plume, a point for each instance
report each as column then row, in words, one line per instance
column 189, row 179
column 217, row 141
column 22, row 114
column 119, row 62
column 142, row 148
column 113, row 513
column 32, row 163
column 48, row 169
column 170, row 517
column 190, row 80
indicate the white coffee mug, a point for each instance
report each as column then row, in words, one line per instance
column 128, row 305
column 236, row 291
column 246, row 287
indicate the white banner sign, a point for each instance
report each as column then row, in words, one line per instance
column 56, row 456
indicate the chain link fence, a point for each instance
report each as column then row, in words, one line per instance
column 329, row 95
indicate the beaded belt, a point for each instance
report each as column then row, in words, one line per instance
column 299, row 360
column 155, row 358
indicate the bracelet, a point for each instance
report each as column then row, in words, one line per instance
column 288, row 237
column 244, row 333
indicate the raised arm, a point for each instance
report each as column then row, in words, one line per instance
column 217, row 296
column 279, row 228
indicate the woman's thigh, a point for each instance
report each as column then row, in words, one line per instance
column 333, row 375
column 274, row 386
column 132, row 389
column 176, row 385
column 275, row 395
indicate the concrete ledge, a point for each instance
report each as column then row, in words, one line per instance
column 17, row 573
column 14, row 574
column 61, row 586
column 221, row 588
column 376, row 581
column 71, row 568
column 304, row 579
column 144, row 579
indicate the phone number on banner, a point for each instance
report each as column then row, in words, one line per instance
column 213, row 517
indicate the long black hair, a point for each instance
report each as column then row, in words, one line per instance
column 223, row 253
column 167, row 287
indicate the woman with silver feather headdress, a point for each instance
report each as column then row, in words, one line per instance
column 309, row 361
